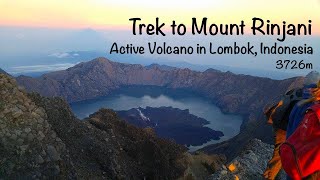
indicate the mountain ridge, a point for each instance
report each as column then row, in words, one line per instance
column 115, row 74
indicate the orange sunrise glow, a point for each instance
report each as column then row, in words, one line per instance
column 105, row 14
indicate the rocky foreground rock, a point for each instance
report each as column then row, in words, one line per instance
column 29, row 147
column 249, row 165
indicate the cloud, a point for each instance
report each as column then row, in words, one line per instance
column 39, row 68
column 64, row 55
column 60, row 55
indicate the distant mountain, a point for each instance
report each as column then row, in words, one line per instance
column 238, row 94
column 172, row 123
column 88, row 39
column 100, row 76
column 73, row 57
column 61, row 40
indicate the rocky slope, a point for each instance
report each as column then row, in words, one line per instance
column 249, row 165
column 40, row 138
column 239, row 94
column 29, row 147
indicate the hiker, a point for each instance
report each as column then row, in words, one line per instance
column 300, row 153
column 286, row 115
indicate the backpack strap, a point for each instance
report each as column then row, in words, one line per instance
column 316, row 109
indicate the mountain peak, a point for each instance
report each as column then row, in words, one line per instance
column 101, row 59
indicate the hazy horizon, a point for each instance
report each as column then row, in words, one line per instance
column 52, row 35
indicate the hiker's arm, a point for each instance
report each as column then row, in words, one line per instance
column 274, row 165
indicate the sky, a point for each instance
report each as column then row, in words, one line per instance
column 108, row 14
column 31, row 31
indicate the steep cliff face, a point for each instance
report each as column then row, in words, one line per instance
column 41, row 138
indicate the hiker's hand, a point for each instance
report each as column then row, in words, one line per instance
column 270, row 174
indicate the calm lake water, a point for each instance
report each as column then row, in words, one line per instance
column 137, row 96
